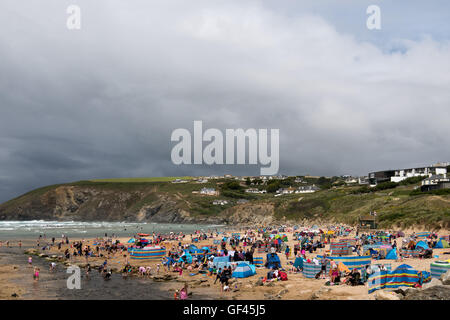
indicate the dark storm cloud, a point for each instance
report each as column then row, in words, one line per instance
column 103, row 101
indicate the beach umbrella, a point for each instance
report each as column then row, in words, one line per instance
column 243, row 270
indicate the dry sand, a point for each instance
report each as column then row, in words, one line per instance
column 297, row 286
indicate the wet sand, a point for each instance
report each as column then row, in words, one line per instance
column 17, row 277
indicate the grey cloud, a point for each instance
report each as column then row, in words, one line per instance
column 102, row 102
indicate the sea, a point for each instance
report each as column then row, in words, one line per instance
column 80, row 229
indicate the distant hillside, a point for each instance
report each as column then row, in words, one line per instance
column 159, row 200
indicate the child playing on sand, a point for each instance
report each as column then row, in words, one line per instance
column 184, row 292
column 36, row 274
column 30, row 261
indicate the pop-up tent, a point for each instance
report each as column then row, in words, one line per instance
column 243, row 270
column 132, row 240
column 422, row 244
column 442, row 244
column 273, row 261
column 392, row 255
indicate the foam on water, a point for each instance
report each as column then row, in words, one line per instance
column 29, row 229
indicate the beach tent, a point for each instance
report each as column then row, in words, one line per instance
column 243, row 270
column 442, row 244
column 132, row 240
column 438, row 268
column 422, row 244
column 186, row 256
column 392, row 255
column 298, row 263
column 273, row 261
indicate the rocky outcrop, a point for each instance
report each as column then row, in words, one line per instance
column 100, row 204
column 438, row 292
column 385, row 295
column 445, row 278
column 251, row 214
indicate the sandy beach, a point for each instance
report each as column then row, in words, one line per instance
column 16, row 276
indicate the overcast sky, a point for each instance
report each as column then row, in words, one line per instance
column 103, row 101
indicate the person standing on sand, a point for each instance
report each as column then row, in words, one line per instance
column 36, row 274
column 30, row 261
column 287, row 252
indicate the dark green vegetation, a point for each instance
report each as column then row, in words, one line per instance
column 159, row 200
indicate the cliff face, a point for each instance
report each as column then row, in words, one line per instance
column 176, row 203
column 94, row 204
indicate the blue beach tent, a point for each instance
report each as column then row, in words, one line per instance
column 243, row 270
column 392, row 255
column 422, row 244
